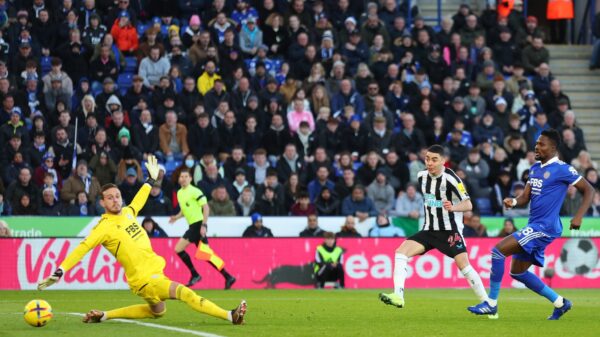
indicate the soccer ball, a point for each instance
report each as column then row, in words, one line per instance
column 38, row 313
column 579, row 256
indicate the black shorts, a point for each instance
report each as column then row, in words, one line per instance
column 450, row 243
column 193, row 234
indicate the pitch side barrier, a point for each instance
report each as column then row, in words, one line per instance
column 288, row 263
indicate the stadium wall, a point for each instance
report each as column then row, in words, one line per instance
column 72, row 227
column 287, row 263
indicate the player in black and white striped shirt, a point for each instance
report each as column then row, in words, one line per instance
column 445, row 199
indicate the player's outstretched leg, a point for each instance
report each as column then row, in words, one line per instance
column 397, row 297
column 203, row 305
column 490, row 306
column 561, row 305
column 132, row 312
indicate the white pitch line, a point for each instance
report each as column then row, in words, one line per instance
column 158, row 326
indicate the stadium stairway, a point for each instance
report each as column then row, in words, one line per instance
column 428, row 8
column 569, row 63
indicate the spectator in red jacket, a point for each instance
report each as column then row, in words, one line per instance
column 125, row 34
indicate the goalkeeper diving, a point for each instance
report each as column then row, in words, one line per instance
column 120, row 233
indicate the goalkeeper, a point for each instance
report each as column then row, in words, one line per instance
column 120, row 233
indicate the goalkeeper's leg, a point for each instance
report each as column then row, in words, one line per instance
column 205, row 306
column 132, row 312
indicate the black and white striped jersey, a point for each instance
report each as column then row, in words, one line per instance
column 435, row 191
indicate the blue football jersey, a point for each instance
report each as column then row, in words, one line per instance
column 549, row 184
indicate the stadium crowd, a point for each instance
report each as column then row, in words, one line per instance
column 277, row 107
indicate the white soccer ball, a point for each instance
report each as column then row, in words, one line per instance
column 579, row 256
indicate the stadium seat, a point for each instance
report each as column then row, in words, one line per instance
column 45, row 65
column 141, row 28
column 124, row 81
column 484, row 205
column 130, row 65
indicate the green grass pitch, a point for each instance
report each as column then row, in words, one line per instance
column 315, row 313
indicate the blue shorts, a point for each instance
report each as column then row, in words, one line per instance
column 534, row 240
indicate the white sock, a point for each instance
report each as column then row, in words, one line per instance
column 400, row 272
column 492, row 302
column 475, row 282
column 104, row 317
column 229, row 317
column 559, row 302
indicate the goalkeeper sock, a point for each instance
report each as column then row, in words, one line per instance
column 133, row 311
column 496, row 275
column 400, row 272
column 185, row 257
column 534, row 283
column 201, row 304
column 475, row 282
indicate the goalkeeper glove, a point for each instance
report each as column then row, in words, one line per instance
column 58, row 273
column 152, row 167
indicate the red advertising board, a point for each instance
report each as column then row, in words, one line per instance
column 287, row 263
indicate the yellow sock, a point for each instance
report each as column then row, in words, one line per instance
column 133, row 311
column 201, row 304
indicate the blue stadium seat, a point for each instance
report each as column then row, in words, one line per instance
column 124, row 82
column 484, row 205
column 130, row 65
column 45, row 65
column 141, row 28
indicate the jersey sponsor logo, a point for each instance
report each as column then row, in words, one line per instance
column 431, row 201
column 573, row 171
column 461, row 188
column 536, row 183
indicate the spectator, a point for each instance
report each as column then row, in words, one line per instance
column 344, row 186
column 327, row 203
column 82, row 180
column 4, row 230
column 358, row 204
column 303, row 206
column 257, row 230
column 570, row 123
column 381, row 192
column 584, row 162
column 593, row 211
column 268, row 203
column 348, row 229
column 329, row 263
column 477, row 171
column 488, row 131
column 347, row 96
column 245, row 202
column 158, row 204
column 571, row 203
column 591, row 175
column 321, row 181
column 220, row 204
column 82, row 206
column 153, row 67
column 312, row 229
column 125, row 33
column 173, row 138
column 153, row 229
column 508, row 228
column 104, row 168
column 251, row 37
column 474, row 228
column 208, row 78
column 569, row 147
column 25, row 206
column 409, row 204
column 383, row 228
column 50, row 206
column 203, row 137
column 239, row 183
column 534, row 55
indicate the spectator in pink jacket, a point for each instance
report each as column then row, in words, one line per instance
column 298, row 115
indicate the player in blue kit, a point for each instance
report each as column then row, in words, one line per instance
column 547, row 186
